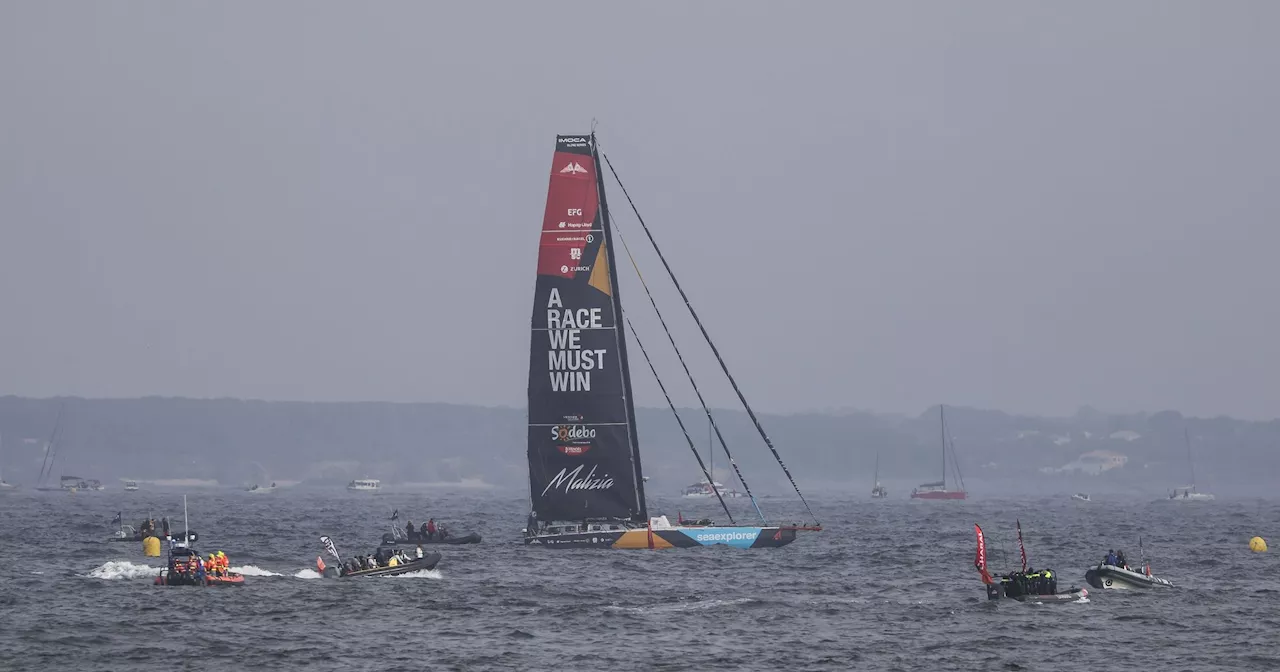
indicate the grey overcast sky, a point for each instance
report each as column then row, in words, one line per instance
column 1027, row 206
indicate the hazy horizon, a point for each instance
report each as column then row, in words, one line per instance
column 1028, row 208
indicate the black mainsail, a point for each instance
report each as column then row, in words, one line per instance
column 583, row 461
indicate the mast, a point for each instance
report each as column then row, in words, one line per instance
column 942, row 425
column 877, row 469
column 637, row 474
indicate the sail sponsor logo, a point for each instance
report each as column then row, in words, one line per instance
column 573, row 168
column 574, row 142
column 576, row 225
column 725, row 536
column 572, row 432
column 574, row 480
column 573, row 451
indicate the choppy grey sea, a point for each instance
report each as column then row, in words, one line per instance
column 889, row 585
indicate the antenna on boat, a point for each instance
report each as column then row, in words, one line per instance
column 186, row 527
column 1190, row 462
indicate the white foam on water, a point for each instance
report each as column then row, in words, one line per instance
column 254, row 570
column 123, row 569
column 307, row 574
column 420, row 574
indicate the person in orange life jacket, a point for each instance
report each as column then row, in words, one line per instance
column 431, row 528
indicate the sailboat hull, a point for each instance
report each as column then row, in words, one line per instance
column 672, row 537
column 939, row 494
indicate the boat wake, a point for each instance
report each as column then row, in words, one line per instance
column 420, row 574
column 254, row 570
column 122, row 569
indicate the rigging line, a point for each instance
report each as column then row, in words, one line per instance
column 692, row 382
column 678, row 420
column 724, row 367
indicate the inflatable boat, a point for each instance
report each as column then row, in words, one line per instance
column 172, row 575
column 428, row 561
column 1110, row 577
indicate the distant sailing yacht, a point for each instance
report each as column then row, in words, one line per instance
column 586, row 483
column 66, row 483
column 709, row 488
column 939, row 489
column 1188, row 492
column 878, row 491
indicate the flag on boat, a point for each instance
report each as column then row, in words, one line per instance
column 1022, row 549
column 328, row 546
column 119, row 518
column 395, row 515
column 980, row 560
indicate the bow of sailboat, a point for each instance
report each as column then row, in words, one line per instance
column 585, row 475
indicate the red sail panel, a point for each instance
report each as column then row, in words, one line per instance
column 569, row 225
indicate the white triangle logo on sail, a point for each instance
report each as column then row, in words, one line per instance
column 573, row 167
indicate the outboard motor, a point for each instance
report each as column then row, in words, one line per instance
column 388, row 538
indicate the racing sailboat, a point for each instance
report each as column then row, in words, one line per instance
column 585, row 478
column 938, row 489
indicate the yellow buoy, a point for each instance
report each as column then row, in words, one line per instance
column 1258, row 545
column 151, row 547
